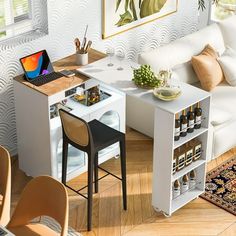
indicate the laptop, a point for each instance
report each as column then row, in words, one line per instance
column 38, row 68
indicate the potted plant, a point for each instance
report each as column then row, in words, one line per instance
column 202, row 6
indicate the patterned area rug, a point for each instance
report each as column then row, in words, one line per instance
column 221, row 186
column 51, row 223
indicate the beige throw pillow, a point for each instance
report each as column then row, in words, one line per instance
column 207, row 68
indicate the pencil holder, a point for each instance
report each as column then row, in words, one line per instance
column 81, row 59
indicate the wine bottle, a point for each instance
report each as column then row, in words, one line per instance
column 183, row 124
column 176, row 190
column 198, row 116
column 191, row 121
column 174, row 163
column 185, row 184
column 177, row 127
column 192, row 181
column 180, row 157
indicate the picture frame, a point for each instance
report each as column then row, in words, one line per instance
column 119, row 16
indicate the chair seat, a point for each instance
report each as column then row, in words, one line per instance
column 33, row 230
column 103, row 135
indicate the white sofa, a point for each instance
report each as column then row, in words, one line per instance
column 178, row 54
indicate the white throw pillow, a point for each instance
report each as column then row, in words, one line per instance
column 228, row 64
column 219, row 116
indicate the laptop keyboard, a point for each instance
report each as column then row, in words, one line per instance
column 43, row 79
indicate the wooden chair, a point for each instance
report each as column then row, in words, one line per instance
column 42, row 196
column 5, row 186
column 91, row 137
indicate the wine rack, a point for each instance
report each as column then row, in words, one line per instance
column 165, row 145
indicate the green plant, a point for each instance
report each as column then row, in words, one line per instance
column 145, row 77
column 146, row 8
column 202, row 6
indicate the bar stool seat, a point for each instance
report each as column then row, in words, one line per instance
column 91, row 137
column 103, row 135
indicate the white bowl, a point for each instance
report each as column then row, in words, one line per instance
column 167, row 93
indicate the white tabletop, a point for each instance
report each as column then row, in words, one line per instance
column 110, row 75
column 123, row 80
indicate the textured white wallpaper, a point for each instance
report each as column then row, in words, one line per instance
column 66, row 20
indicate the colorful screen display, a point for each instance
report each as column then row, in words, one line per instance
column 36, row 64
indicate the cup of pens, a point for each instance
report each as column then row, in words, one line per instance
column 82, row 50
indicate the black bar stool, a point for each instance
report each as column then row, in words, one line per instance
column 91, row 137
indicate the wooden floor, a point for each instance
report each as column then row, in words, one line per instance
column 197, row 218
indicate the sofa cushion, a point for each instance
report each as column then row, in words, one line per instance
column 224, row 96
column 228, row 28
column 207, row 68
column 185, row 72
column 224, row 137
column 228, row 64
column 181, row 51
column 223, row 101
column 219, row 116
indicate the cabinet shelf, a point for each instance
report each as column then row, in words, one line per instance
column 187, row 169
column 189, row 137
column 185, row 198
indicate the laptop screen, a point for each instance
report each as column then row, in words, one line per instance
column 36, row 64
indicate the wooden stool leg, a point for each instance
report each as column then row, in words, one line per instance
column 64, row 161
column 90, row 191
column 123, row 172
column 96, row 172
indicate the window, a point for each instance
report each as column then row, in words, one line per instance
column 15, row 17
column 223, row 9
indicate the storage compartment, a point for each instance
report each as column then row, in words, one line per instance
column 199, row 156
column 193, row 191
column 174, row 159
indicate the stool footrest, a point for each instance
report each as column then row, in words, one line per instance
column 109, row 173
column 78, row 191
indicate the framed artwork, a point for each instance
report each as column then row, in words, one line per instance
column 122, row 15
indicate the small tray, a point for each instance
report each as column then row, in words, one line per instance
column 167, row 93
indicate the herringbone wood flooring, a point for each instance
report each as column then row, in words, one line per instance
column 196, row 218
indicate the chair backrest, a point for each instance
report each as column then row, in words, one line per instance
column 42, row 196
column 75, row 128
column 5, row 186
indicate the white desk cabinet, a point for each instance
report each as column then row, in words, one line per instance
column 40, row 138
